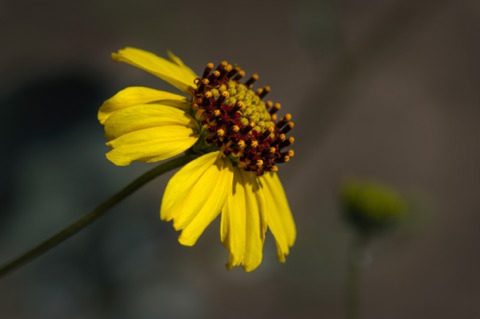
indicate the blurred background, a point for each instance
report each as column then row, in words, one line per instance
column 385, row 90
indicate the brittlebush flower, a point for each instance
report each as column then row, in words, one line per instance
column 239, row 140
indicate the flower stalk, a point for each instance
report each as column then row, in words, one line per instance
column 356, row 262
column 97, row 212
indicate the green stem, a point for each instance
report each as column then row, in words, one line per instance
column 93, row 215
column 356, row 259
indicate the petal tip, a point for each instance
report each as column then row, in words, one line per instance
column 186, row 241
column 115, row 57
column 250, row 268
column 117, row 160
column 165, row 216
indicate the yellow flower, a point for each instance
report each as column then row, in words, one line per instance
column 239, row 142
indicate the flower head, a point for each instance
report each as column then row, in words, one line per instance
column 371, row 206
column 239, row 140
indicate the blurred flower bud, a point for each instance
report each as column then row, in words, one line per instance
column 371, row 207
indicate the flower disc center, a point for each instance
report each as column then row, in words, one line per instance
column 237, row 122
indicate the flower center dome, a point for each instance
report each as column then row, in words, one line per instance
column 236, row 121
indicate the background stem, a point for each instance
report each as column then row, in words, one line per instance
column 93, row 215
column 356, row 260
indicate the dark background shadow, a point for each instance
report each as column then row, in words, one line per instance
column 378, row 89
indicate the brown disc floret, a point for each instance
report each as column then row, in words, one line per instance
column 236, row 120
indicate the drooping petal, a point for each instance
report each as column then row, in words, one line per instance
column 195, row 195
column 174, row 71
column 233, row 223
column 144, row 116
column 243, row 222
column 279, row 216
column 139, row 95
column 256, row 222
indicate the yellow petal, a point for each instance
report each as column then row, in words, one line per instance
column 279, row 216
column 151, row 144
column 195, row 195
column 144, row 116
column 233, row 223
column 174, row 72
column 243, row 228
column 139, row 95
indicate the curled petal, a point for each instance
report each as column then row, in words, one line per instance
column 139, row 95
column 280, row 219
column 174, row 72
column 175, row 59
column 195, row 195
column 243, row 223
